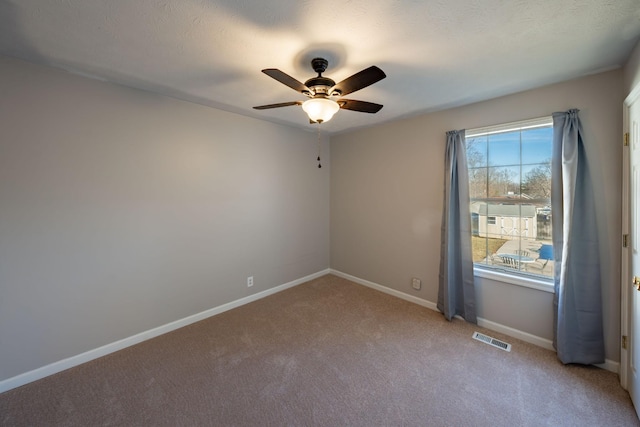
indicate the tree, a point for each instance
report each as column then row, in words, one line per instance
column 501, row 182
column 486, row 180
column 477, row 168
column 537, row 182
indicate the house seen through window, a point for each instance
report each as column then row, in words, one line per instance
column 510, row 197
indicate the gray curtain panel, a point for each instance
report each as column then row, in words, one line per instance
column 578, row 331
column 456, row 292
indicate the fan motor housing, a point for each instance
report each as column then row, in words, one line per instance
column 320, row 85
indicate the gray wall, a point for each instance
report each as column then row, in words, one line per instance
column 631, row 71
column 121, row 211
column 387, row 189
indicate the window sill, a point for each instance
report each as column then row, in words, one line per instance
column 527, row 282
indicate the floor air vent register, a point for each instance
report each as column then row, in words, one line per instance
column 491, row 341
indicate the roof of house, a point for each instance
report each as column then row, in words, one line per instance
column 507, row 210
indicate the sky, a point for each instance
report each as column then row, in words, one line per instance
column 505, row 149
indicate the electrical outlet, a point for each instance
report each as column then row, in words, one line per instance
column 249, row 281
column 416, row 283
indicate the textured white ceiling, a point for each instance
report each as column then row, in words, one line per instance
column 436, row 53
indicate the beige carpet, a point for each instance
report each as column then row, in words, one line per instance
column 325, row 353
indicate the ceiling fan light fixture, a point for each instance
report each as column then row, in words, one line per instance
column 320, row 109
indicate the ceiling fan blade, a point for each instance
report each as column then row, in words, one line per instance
column 286, row 79
column 282, row 104
column 359, row 80
column 361, row 106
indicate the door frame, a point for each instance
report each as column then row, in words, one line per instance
column 625, row 273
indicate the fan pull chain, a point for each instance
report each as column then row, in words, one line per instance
column 319, row 147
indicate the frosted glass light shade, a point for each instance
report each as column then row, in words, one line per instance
column 320, row 109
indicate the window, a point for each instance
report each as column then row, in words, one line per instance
column 510, row 197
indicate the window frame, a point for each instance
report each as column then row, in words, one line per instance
column 518, row 278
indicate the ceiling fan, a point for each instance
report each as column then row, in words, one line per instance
column 320, row 106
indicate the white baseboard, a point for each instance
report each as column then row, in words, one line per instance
column 609, row 365
column 516, row 333
column 386, row 290
column 87, row 356
column 70, row 362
